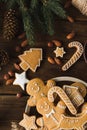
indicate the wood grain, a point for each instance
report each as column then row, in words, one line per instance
column 12, row 108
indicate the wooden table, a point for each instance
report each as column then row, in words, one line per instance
column 11, row 107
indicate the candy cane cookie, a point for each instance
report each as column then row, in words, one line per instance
column 75, row 56
column 63, row 97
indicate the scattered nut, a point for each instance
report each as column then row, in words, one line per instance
column 70, row 35
column 9, row 81
column 18, row 49
column 71, row 20
column 17, row 66
column 21, row 36
column 6, row 76
column 11, row 73
column 50, row 44
column 24, row 43
column 57, row 43
column 51, row 60
column 57, row 61
column 19, row 95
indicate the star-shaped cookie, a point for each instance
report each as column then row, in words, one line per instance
column 59, row 52
column 20, row 80
column 28, row 122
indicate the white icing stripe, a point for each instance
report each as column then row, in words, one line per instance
column 75, row 56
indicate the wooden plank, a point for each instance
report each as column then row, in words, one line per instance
column 47, row 71
column 12, row 108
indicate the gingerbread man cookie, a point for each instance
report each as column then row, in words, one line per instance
column 37, row 89
column 50, row 113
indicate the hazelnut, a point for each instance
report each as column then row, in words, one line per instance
column 50, row 44
column 19, row 95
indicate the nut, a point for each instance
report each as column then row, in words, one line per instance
column 51, row 60
column 21, row 36
column 57, row 43
column 17, row 66
column 50, row 44
column 57, row 61
column 24, row 43
column 70, row 35
column 19, row 95
column 18, row 49
column 9, row 81
column 6, row 76
column 71, row 20
column 11, row 73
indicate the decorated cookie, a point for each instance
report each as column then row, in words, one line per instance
column 31, row 59
column 75, row 56
column 28, row 122
column 59, row 52
column 21, row 80
column 74, row 95
column 77, row 123
column 50, row 113
column 81, row 87
column 63, row 96
column 37, row 89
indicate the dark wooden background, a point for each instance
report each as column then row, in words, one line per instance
column 11, row 107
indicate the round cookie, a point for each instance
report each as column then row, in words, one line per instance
column 81, row 87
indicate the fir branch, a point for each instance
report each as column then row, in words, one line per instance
column 56, row 7
column 34, row 3
column 28, row 26
column 48, row 18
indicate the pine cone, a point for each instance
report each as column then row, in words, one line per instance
column 10, row 25
column 3, row 58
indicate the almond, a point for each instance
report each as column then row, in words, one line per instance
column 24, row 43
column 51, row 60
column 21, row 36
column 9, row 81
column 71, row 20
column 18, row 49
column 17, row 66
column 57, row 43
column 70, row 35
column 6, row 76
column 11, row 73
column 57, row 61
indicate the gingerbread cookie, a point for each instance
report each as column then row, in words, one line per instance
column 37, row 89
column 75, row 56
column 31, row 59
column 28, row 122
column 59, row 52
column 63, row 97
column 81, row 87
column 20, row 80
column 50, row 113
column 77, row 123
column 74, row 95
